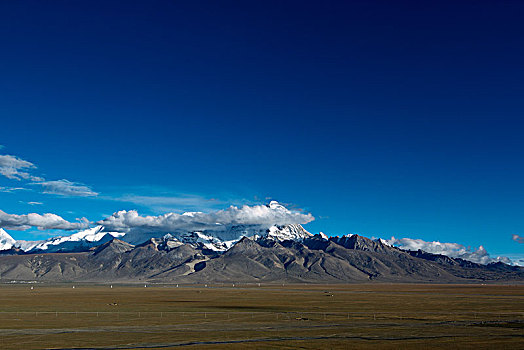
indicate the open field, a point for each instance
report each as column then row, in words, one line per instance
column 379, row 316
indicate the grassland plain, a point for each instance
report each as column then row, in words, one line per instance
column 358, row 316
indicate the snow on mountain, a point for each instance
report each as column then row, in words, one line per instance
column 323, row 235
column 213, row 241
column 169, row 242
column 226, row 225
column 201, row 240
column 293, row 232
column 217, row 231
column 6, row 241
column 219, row 241
column 27, row 245
column 76, row 242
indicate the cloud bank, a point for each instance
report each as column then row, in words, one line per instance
column 258, row 215
column 42, row 222
column 454, row 250
column 66, row 188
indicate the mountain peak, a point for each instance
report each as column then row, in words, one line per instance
column 115, row 246
column 291, row 232
column 323, row 235
column 6, row 241
column 360, row 243
column 79, row 241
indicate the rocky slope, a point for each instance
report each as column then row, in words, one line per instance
column 310, row 259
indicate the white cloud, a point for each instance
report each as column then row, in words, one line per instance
column 12, row 189
column 46, row 221
column 16, row 169
column 516, row 258
column 454, row 250
column 517, row 238
column 260, row 216
column 66, row 188
column 35, row 203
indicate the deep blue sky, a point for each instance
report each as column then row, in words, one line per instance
column 378, row 117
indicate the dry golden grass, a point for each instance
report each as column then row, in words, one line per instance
column 379, row 316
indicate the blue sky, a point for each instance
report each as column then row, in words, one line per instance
column 387, row 119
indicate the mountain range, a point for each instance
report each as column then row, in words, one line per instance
column 286, row 253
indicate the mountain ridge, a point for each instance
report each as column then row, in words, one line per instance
column 353, row 259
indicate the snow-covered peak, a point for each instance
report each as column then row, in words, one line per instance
column 6, row 241
column 91, row 234
column 77, row 241
column 169, row 242
column 202, row 240
column 385, row 242
column 292, row 232
column 323, row 235
column 27, row 245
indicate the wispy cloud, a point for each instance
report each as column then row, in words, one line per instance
column 518, row 238
column 66, row 188
column 454, row 250
column 35, row 203
column 15, row 168
column 12, row 189
column 46, row 221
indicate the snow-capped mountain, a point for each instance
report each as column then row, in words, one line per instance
column 79, row 241
column 201, row 240
column 217, row 231
column 219, row 240
column 209, row 240
column 213, row 241
column 294, row 232
column 6, row 241
column 225, row 225
column 314, row 260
